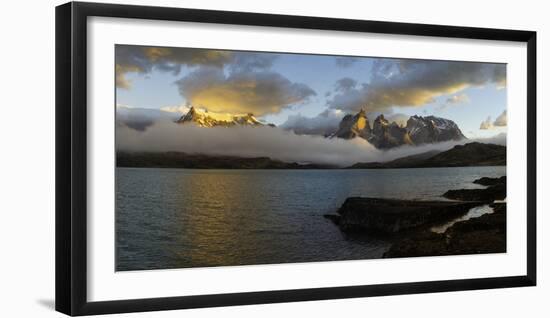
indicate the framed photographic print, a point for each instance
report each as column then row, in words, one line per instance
column 208, row 158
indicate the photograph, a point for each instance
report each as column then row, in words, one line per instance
column 234, row 158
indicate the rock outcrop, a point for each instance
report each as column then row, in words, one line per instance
column 432, row 129
column 486, row 181
column 482, row 235
column 495, row 191
column 391, row 216
column 353, row 126
column 385, row 134
column 388, row 135
column 410, row 222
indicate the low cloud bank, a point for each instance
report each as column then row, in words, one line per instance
column 323, row 124
column 269, row 142
column 328, row 121
column 142, row 118
column 499, row 139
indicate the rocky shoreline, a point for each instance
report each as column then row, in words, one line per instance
column 482, row 235
column 408, row 223
column 496, row 190
column 392, row 216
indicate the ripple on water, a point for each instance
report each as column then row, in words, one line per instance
column 176, row 218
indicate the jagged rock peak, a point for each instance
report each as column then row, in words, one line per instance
column 419, row 130
column 204, row 118
column 381, row 120
column 431, row 129
column 353, row 126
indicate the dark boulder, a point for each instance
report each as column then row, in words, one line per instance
column 486, row 181
column 482, row 235
column 391, row 216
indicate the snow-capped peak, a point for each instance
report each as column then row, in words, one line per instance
column 386, row 134
column 205, row 118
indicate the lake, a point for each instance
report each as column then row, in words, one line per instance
column 177, row 218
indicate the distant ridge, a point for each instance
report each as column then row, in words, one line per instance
column 385, row 134
column 198, row 161
column 470, row 154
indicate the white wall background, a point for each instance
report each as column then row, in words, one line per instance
column 27, row 158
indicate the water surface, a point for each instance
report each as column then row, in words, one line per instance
column 175, row 218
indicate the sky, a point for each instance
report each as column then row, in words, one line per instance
column 308, row 93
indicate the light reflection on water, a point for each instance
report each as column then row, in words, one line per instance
column 174, row 218
column 472, row 213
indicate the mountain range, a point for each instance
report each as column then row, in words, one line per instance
column 383, row 134
column 470, row 154
column 204, row 118
column 200, row 161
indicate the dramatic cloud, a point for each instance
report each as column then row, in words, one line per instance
column 261, row 142
column 414, row 83
column 257, row 92
column 502, row 120
column 345, row 84
column 144, row 59
column 486, row 124
column 323, row 124
column 345, row 61
column 120, row 72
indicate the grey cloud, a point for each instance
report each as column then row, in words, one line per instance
column 250, row 61
column 499, row 76
column 142, row 118
column 259, row 142
column 144, row 59
column 345, row 84
column 412, row 83
column 323, row 124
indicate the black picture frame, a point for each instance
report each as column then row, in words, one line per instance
column 71, row 157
